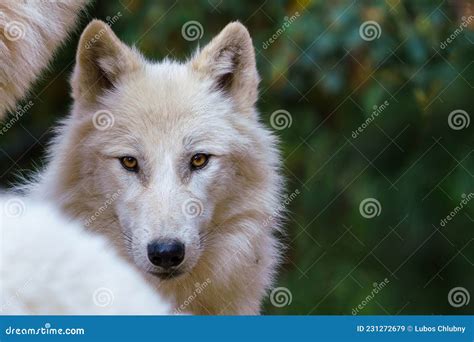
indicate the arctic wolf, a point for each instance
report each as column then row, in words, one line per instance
column 170, row 161
column 48, row 264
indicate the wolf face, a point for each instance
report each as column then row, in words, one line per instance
column 180, row 143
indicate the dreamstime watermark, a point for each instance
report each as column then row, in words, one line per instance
column 458, row 296
column 192, row 207
column 110, row 21
column 199, row 288
column 17, row 115
column 466, row 21
column 103, row 297
column 107, row 203
column 47, row 329
column 465, row 200
column 286, row 202
column 281, row 119
column 14, row 30
column 370, row 208
column 377, row 110
column 377, row 287
column 370, row 30
column 103, row 120
column 14, row 207
column 286, row 24
column 280, row 297
column 459, row 119
column 192, row 30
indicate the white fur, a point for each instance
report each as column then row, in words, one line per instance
column 49, row 265
column 162, row 114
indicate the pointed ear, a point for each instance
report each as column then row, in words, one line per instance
column 100, row 61
column 229, row 60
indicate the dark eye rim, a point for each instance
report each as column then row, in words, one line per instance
column 131, row 169
column 193, row 167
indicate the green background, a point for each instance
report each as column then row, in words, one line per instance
column 329, row 79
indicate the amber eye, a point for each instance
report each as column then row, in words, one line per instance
column 199, row 160
column 129, row 163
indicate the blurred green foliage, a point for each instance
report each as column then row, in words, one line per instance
column 329, row 79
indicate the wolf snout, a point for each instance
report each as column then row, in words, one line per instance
column 166, row 253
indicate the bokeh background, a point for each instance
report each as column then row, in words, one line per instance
column 325, row 67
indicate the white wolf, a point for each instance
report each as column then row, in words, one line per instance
column 170, row 161
column 48, row 264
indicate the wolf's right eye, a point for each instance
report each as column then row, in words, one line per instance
column 129, row 163
column 198, row 161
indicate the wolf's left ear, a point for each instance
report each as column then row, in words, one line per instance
column 229, row 60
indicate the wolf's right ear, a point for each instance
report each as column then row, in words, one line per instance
column 100, row 61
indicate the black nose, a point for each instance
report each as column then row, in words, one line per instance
column 165, row 253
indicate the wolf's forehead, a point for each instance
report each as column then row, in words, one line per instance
column 167, row 90
column 174, row 82
column 170, row 103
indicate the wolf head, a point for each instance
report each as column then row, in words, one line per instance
column 174, row 151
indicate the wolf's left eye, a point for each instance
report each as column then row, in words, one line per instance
column 129, row 163
column 199, row 160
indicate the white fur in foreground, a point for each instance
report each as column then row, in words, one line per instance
column 50, row 265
